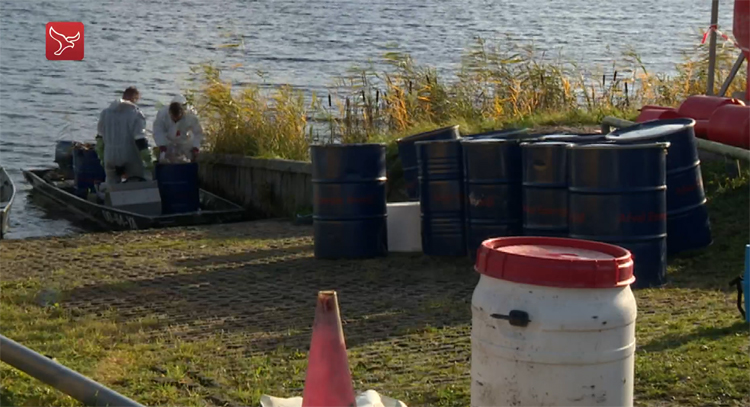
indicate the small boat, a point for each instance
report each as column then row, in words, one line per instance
column 50, row 183
column 7, row 194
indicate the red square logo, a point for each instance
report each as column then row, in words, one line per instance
column 64, row 41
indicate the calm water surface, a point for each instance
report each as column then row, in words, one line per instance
column 304, row 43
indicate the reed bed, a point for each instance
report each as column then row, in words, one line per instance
column 498, row 85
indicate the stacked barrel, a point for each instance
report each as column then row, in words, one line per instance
column 349, row 203
column 617, row 195
column 688, row 224
column 441, row 193
column 492, row 179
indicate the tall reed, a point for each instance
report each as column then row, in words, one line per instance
column 498, row 85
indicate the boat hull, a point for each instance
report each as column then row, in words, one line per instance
column 7, row 195
column 219, row 210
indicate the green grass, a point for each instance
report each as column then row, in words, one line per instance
column 412, row 345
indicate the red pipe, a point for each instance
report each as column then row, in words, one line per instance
column 701, row 108
column 730, row 125
column 650, row 112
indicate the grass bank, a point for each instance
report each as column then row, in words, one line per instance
column 498, row 85
column 217, row 316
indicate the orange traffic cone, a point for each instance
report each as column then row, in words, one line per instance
column 328, row 382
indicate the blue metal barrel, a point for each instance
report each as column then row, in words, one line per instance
column 688, row 224
column 545, row 183
column 617, row 194
column 179, row 187
column 349, row 201
column 408, row 155
column 545, row 188
column 87, row 169
column 492, row 186
column 441, row 197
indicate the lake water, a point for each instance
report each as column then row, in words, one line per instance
column 304, row 43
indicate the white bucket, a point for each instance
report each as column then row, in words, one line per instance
column 404, row 227
column 553, row 324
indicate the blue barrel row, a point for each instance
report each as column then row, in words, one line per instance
column 611, row 189
column 545, row 183
column 469, row 191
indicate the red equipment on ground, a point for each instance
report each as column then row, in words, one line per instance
column 650, row 112
column 720, row 119
column 741, row 31
column 701, row 107
column 730, row 124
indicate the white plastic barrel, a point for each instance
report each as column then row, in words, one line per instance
column 553, row 324
column 404, row 227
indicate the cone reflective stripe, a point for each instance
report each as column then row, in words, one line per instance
column 328, row 382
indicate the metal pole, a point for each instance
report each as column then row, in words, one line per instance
column 735, row 69
column 723, row 149
column 712, row 47
column 60, row 377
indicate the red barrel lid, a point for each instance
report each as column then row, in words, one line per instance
column 555, row 262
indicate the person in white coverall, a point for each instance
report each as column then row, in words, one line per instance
column 121, row 139
column 177, row 131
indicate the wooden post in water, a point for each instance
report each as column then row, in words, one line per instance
column 712, row 46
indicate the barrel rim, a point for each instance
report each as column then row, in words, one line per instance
column 572, row 138
column 544, row 143
column 417, row 136
column 615, row 146
column 614, row 272
column 509, row 132
column 433, row 142
column 341, row 145
column 490, row 140
column 616, row 135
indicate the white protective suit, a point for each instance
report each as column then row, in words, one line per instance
column 121, row 126
column 179, row 138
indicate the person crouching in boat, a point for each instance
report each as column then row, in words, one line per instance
column 177, row 132
column 121, row 139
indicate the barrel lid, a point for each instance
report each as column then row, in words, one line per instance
column 437, row 142
column 612, row 145
column 489, row 140
column 555, row 262
column 504, row 133
column 573, row 137
column 650, row 130
column 418, row 136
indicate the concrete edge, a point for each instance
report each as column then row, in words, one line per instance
column 299, row 167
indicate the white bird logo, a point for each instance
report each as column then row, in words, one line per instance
column 69, row 41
